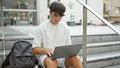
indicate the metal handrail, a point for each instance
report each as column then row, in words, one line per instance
column 100, row 17
column 85, row 7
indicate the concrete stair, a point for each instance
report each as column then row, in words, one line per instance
column 102, row 50
column 99, row 55
column 115, row 66
column 102, row 54
column 102, row 47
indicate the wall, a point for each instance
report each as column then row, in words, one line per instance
column 76, row 10
column 42, row 11
column 97, row 6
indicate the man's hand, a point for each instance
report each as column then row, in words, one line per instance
column 49, row 51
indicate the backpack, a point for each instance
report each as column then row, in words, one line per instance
column 20, row 56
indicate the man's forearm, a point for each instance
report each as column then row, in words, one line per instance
column 38, row 50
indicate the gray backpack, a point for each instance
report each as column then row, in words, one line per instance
column 20, row 56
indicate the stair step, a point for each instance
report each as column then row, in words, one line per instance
column 116, row 66
column 102, row 56
column 2, row 53
column 103, row 47
column 102, row 44
column 95, row 58
column 90, row 58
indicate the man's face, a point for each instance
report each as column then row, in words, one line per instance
column 55, row 18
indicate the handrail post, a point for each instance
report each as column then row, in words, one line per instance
column 85, row 36
column 1, row 13
column 1, row 30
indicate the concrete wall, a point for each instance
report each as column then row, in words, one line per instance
column 97, row 6
column 42, row 11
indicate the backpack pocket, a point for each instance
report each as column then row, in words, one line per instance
column 22, row 61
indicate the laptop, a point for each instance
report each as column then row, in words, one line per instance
column 66, row 51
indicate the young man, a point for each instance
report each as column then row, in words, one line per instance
column 54, row 33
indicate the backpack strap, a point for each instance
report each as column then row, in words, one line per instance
column 6, row 62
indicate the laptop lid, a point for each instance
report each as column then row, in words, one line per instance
column 66, row 51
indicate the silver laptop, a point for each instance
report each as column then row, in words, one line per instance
column 66, row 51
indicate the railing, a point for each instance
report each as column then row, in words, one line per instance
column 85, row 8
column 100, row 17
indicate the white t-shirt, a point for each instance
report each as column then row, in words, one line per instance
column 49, row 36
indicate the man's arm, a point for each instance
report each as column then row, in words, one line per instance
column 68, row 41
column 40, row 51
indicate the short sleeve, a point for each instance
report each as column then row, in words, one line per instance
column 37, row 42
